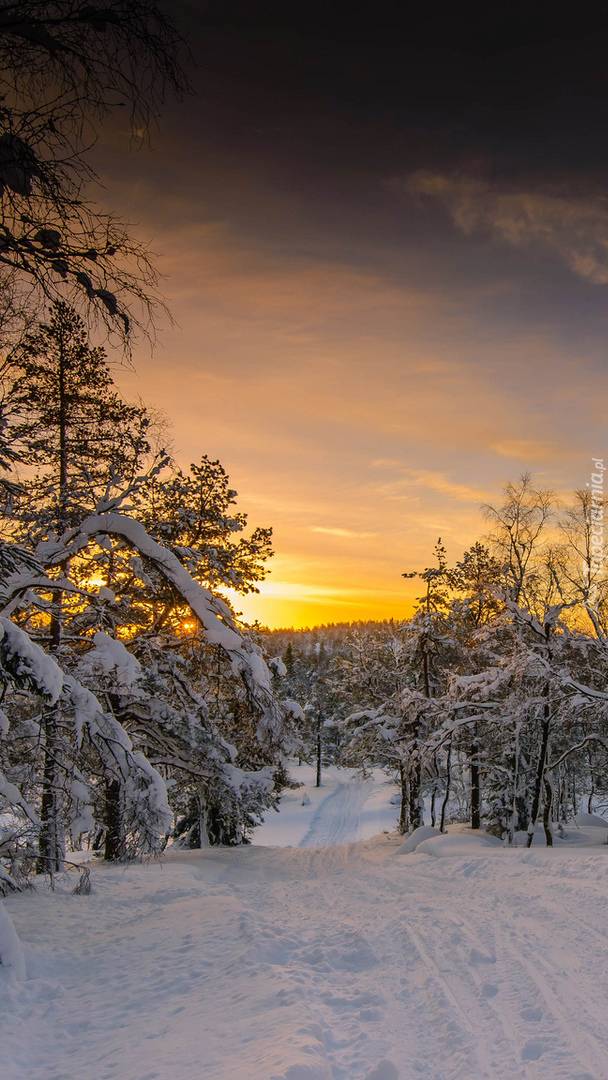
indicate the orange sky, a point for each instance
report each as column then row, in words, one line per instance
column 359, row 418
column 370, row 339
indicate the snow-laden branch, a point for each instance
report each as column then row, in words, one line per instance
column 30, row 668
column 14, row 797
column 144, row 790
column 246, row 659
column 26, row 664
column 579, row 746
column 21, row 587
column 585, row 692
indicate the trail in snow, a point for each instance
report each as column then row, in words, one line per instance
column 338, row 818
column 292, row 823
column 317, row 963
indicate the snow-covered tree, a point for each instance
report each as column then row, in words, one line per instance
column 209, row 721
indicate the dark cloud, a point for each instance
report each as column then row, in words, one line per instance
column 517, row 83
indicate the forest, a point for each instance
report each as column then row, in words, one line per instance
column 229, row 850
column 139, row 710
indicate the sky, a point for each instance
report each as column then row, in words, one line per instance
column 384, row 243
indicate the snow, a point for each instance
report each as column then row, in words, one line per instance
column 32, row 661
column 342, row 810
column 316, row 963
column 13, row 796
column 454, row 845
column 12, row 958
column 144, row 789
column 209, row 609
column 570, row 836
column 109, row 656
column 425, row 832
column 591, row 819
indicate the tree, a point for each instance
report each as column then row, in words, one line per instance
column 381, row 678
column 478, row 580
column 192, row 515
column 64, row 65
column 72, row 432
column 581, row 572
column 83, row 447
column 518, row 537
column 99, row 692
column 68, row 424
column 308, row 671
column 432, row 643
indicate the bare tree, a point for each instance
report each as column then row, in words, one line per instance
column 518, row 537
column 64, row 65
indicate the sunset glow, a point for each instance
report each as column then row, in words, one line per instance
column 374, row 329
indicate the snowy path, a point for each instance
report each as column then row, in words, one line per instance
column 338, row 818
column 310, row 963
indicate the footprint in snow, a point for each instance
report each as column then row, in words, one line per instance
column 533, row 1016
column 478, row 957
column 384, row 1070
column 357, row 1001
column 532, row 1051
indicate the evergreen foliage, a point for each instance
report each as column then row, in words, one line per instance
column 123, row 671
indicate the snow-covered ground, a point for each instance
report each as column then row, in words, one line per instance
column 343, row 809
column 463, row 961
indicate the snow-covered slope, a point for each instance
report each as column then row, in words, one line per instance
column 311, row 963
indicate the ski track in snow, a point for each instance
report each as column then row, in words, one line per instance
column 317, row 963
column 338, row 818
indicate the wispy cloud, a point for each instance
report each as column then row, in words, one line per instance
column 348, row 533
column 528, row 450
column 429, row 481
column 313, row 594
column 574, row 227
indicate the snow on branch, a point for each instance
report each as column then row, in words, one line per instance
column 109, row 657
column 584, row 695
column 30, row 668
column 14, row 797
column 573, row 749
column 144, row 789
column 212, row 612
column 26, row 664
column 21, row 587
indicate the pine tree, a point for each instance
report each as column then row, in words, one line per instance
column 69, row 425
column 72, row 431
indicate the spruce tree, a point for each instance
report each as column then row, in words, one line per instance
column 70, row 426
column 72, row 431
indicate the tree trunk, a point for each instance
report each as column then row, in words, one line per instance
column 540, row 771
column 592, row 791
column 403, row 817
column 115, row 846
column 448, row 780
column 318, row 776
column 50, row 839
column 547, row 812
column 475, row 788
column 202, row 821
column 415, row 776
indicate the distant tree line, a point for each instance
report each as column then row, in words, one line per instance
column 491, row 703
